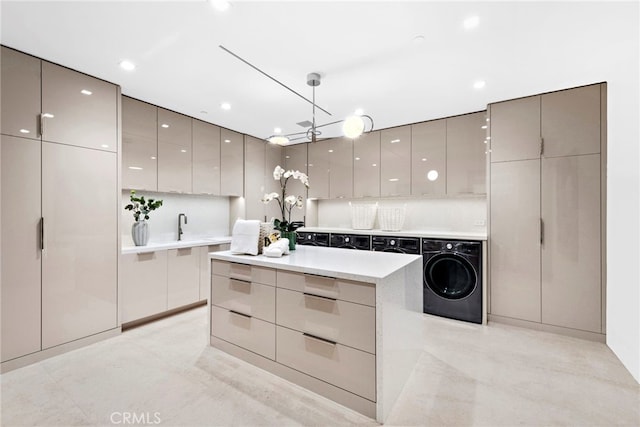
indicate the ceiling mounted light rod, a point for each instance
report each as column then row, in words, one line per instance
column 352, row 127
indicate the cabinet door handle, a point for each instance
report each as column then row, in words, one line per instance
column 324, row 340
column 41, row 125
column 541, row 146
column 42, row 233
column 307, row 294
column 541, row 231
column 240, row 314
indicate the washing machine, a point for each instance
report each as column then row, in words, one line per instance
column 350, row 241
column 453, row 279
column 312, row 239
column 401, row 245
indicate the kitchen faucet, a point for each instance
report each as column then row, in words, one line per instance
column 180, row 216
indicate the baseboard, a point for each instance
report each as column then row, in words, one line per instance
column 154, row 317
column 39, row 356
column 575, row 333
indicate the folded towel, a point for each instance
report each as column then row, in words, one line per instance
column 282, row 244
column 244, row 237
column 272, row 252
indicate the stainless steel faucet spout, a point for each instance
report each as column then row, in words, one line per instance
column 180, row 232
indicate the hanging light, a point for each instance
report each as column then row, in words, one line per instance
column 352, row 127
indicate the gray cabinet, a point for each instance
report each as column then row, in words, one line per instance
column 366, row 165
column 139, row 145
column 295, row 158
column 21, row 95
column 254, row 178
column 174, row 152
column 78, row 109
column 183, row 277
column 466, row 159
column 273, row 158
column 80, row 257
column 206, row 158
column 428, row 158
column 21, row 255
column 143, row 298
column 318, row 167
column 340, row 168
column 395, row 172
column 231, row 163
column 546, row 213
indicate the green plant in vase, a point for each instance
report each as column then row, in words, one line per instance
column 287, row 203
column 141, row 208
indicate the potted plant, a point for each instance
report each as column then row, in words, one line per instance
column 287, row 203
column 141, row 209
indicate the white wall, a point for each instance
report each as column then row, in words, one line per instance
column 208, row 216
column 451, row 214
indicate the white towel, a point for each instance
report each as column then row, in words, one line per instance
column 244, row 237
column 272, row 252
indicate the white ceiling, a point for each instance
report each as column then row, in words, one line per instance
column 363, row 50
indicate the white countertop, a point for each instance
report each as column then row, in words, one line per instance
column 434, row 234
column 160, row 246
column 341, row 263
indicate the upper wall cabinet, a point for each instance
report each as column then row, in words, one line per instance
column 340, row 168
column 254, row 177
column 515, row 130
column 295, row 158
column 395, row 177
column 78, row 109
column 273, row 158
column 466, row 159
column 139, row 145
column 174, row 152
column 366, row 165
column 21, row 97
column 231, row 163
column 571, row 122
column 318, row 167
column 206, row 158
column 428, row 158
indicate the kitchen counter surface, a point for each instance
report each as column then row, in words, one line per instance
column 341, row 263
column 433, row 234
column 160, row 246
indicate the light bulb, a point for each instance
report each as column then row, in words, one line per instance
column 279, row 140
column 353, row 127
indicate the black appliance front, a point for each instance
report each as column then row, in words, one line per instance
column 452, row 281
column 402, row 245
column 312, row 239
column 350, row 241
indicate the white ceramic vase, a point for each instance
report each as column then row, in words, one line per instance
column 140, row 233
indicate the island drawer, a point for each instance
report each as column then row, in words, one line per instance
column 344, row 322
column 250, row 298
column 245, row 331
column 346, row 290
column 250, row 273
column 345, row 367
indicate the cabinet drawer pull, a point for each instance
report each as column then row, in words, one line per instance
column 306, row 294
column 240, row 314
column 324, row 340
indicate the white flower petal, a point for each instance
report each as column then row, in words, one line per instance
column 287, row 174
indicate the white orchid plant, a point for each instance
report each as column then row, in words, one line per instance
column 286, row 202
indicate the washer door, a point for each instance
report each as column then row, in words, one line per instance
column 450, row 276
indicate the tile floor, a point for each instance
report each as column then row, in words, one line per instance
column 165, row 373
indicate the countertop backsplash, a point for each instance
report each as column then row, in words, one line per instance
column 208, row 216
column 449, row 214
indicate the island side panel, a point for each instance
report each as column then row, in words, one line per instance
column 399, row 333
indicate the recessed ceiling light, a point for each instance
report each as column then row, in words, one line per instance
column 418, row 40
column 394, row 179
column 104, row 146
column 225, row 106
column 153, row 157
column 393, row 141
column 164, row 125
column 432, row 175
column 374, row 165
column 471, row 22
column 86, row 92
column 479, row 84
column 135, row 168
column 127, row 65
column 183, row 151
column 227, row 141
column 24, row 131
column 484, row 127
column 331, row 151
column 357, row 158
column 359, row 112
column 277, row 130
column 48, row 115
column 287, row 157
column 221, row 5
column 424, row 159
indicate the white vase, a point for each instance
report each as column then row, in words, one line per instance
column 140, row 233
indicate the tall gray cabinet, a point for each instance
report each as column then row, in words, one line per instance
column 546, row 207
column 59, row 205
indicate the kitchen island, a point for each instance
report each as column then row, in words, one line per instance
column 343, row 323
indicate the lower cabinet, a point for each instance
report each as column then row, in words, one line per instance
column 144, row 288
column 183, row 277
column 319, row 327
